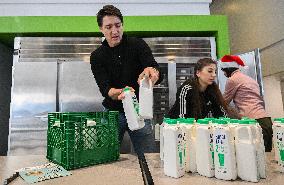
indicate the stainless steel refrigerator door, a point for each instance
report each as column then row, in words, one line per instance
column 78, row 90
column 33, row 96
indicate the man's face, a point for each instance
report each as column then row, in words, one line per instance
column 112, row 29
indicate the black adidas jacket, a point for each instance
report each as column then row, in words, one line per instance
column 184, row 99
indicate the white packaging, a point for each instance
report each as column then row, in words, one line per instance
column 246, row 153
column 204, row 149
column 173, row 150
column 224, row 152
column 131, row 108
column 260, row 151
column 280, row 147
column 162, row 140
column 278, row 131
column 189, row 131
column 233, row 124
column 276, row 125
column 146, row 98
column 157, row 132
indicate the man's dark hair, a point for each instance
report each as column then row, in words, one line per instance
column 108, row 10
column 229, row 70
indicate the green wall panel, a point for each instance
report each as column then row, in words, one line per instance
column 142, row 26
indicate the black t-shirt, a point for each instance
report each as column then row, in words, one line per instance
column 120, row 66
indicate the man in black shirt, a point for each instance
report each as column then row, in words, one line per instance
column 119, row 62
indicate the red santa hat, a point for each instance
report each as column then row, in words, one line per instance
column 231, row 61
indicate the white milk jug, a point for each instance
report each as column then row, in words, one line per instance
column 204, row 148
column 233, row 124
column 260, row 149
column 173, row 150
column 162, row 138
column 211, row 121
column 157, row 132
column 189, row 131
column 146, row 98
column 276, row 125
column 131, row 109
column 246, row 153
column 224, row 152
column 279, row 143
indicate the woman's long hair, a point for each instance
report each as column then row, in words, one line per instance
column 212, row 90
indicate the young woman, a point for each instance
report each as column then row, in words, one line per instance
column 200, row 96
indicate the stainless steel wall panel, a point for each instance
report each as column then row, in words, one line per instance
column 174, row 47
column 78, row 89
column 34, row 89
column 33, row 96
column 48, row 49
column 28, row 141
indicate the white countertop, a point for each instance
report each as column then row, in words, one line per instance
column 126, row 171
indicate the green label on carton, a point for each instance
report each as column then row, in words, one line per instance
column 221, row 159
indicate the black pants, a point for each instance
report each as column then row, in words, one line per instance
column 266, row 125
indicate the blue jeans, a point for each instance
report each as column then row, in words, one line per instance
column 143, row 139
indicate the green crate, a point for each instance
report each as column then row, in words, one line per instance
column 73, row 143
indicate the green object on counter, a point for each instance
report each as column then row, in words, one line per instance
column 234, row 121
column 279, row 120
column 171, row 121
column 221, row 122
column 186, row 120
column 76, row 144
column 210, row 119
column 281, row 155
column 248, row 121
column 221, row 158
column 203, row 121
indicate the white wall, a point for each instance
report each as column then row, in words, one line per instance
column 273, row 97
column 91, row 7
column 256, row 24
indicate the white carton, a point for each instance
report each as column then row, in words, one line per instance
column 146, row 98
column 173, row 150
column 224, row 152
column 204, row 149
column 131, row 110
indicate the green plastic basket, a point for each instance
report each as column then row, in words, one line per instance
column 80, row 139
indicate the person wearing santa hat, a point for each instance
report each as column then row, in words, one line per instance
column 245, row 93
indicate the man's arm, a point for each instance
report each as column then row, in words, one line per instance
column 151, row 67
column 102, row 78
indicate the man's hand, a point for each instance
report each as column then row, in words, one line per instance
column 122, row 95
column 113, row 93
column 151, row 73
column 117, row 94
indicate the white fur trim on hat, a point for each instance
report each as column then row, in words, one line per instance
column 229, row 64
